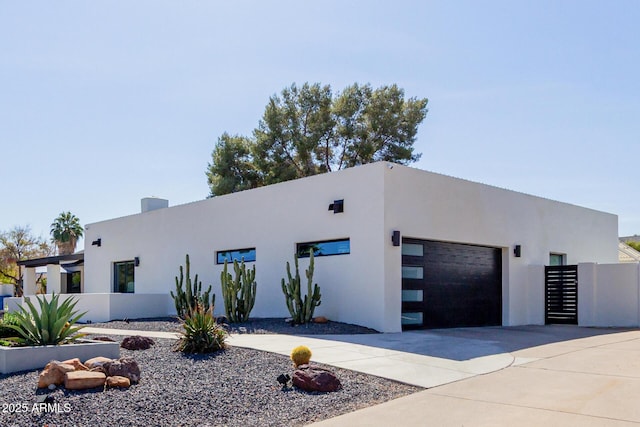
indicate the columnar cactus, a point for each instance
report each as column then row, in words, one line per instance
column 191, row 297
column 240, row 293
column 301, row 309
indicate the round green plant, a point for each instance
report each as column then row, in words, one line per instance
column 301, row 355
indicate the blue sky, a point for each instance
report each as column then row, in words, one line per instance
column 103, row 103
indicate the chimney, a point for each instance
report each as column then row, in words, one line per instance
column 152, row 203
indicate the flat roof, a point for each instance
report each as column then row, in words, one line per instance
column 39, row 262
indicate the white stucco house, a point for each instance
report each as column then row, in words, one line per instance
column 396, row 248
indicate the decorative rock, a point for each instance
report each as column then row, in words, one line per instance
column 320, row 319
column 137, row 342
column 118, row 381
column 77, row 364
column 82, row 380
column 97, row 362
column 104, row 339
column 53, row 373
column 124, row 367
column 315, row 379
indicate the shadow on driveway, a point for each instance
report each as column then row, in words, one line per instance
column 469, row 343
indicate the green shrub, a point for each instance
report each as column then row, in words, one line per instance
column 239, row 293
column 301, row 309
column 53, row 325
column 188, row 299
column 201, row 333
column 5, row 330
column 301, row 355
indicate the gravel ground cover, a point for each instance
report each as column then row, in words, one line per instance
column 235, row 387
column 253, row 326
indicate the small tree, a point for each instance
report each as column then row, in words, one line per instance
column 19, row 244
column 66, row 230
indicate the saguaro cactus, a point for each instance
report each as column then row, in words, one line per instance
column 240, row 293
column 301, row 309
column 187, row 299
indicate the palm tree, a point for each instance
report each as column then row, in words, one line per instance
column 66, row 230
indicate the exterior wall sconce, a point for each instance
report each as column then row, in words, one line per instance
column 97, row 242
column 337, row 206
column 517, row 251
column 136, row 261
column 395, row 238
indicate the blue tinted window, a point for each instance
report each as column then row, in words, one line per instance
column 325, row 248
column 249, row 255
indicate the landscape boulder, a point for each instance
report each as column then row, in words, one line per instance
column 312, row 378
column 320, row 319
column 124, row 367
column 104, row 338
column 54, row 373
column 137, row 342
column 77, row 364
column 118, row 381
column 82, row 380
column 97, row 362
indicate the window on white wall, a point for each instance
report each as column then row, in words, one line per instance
column 557, row 259
column 248, row 254
column 324, row 248
column 124, row 277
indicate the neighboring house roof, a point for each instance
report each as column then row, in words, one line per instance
column 634, row 238
column 60, row 259
column 627, row 254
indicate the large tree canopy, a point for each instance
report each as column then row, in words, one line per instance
column 308, row 130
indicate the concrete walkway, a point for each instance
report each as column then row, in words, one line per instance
column 401, row 357
column 524, row 376
column 588, row 381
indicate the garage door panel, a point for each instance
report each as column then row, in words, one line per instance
column 461, row 284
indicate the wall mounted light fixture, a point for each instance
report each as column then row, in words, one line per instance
column 517, row 251
column 97, row 242
column 337, row 206
column 395, row 238
column 136, row 261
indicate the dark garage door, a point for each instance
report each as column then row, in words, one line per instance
column 448, row 285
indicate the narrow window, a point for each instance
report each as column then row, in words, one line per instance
column 324, row 248
column 557, row 259
column 248, row 254
column 123, row 277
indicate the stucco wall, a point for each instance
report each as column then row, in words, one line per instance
column 608, row 294
column 363, row 287
column 431, row 206
column 272, row 219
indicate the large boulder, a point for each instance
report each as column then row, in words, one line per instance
column 123, row 367
column 82, row 380
column 54, row 373
column 312, row 378
column 137, row 342
column 95, row 363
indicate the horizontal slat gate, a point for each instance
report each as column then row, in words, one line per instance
column 561, row 294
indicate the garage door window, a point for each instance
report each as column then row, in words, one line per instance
column 412, row 318
column 412, row 272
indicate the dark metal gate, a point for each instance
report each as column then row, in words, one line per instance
column 561, row 294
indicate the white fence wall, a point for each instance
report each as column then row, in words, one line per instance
column 609, row 294
column 104, row 307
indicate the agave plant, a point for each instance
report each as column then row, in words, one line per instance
column 201, row 333
column 53, row 325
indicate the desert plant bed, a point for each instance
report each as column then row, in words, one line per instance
column 252, row 326
column 234, row 387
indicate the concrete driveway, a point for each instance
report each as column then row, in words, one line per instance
column 559, row 376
